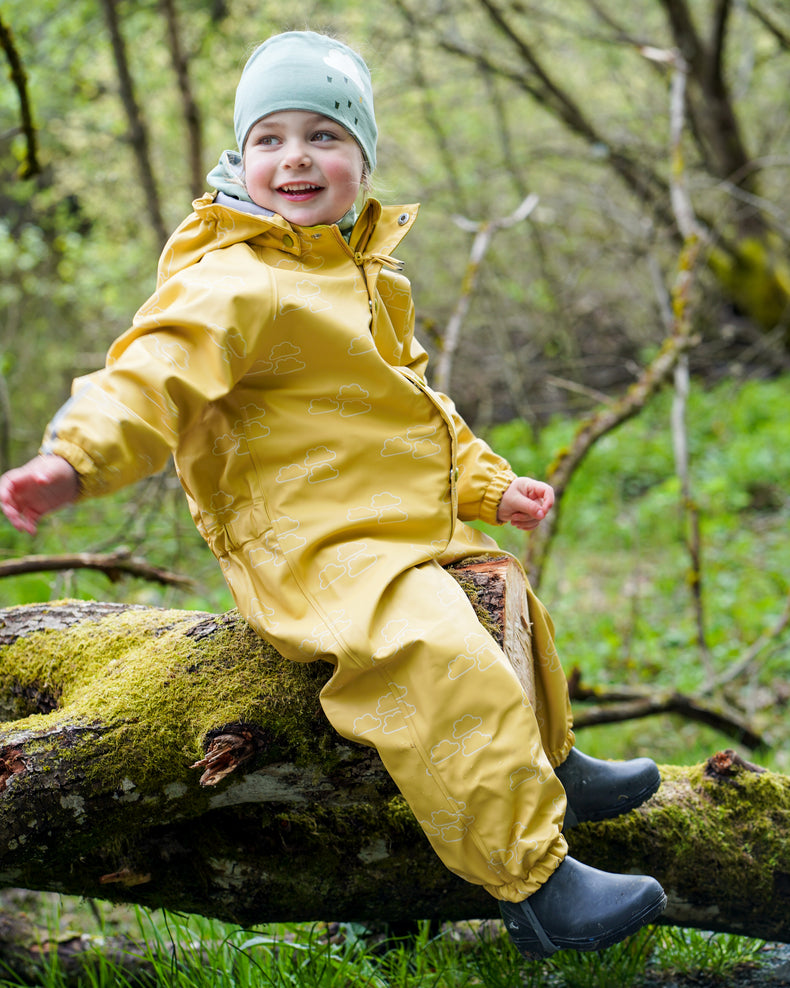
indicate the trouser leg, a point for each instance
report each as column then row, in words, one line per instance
column 438, row 699
column 552, row 703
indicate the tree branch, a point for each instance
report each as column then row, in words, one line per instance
column 114, row 565
column 484, row 234
column 650, row 705
column 191, row 110
column 539, row 84
column 138, row 133
column 30, row 165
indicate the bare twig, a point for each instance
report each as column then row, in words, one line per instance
column 114, row 565
column 622, row 705
column 689, row 507
column 484, row 233
column 578, row 388
column 751, row 655
column 692, row 234
column 30, row 166
column 593, row 428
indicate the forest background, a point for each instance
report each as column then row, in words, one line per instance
column 654, row 136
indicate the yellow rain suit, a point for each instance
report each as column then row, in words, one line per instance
column 278, row 364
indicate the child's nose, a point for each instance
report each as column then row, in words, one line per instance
column 297, row 154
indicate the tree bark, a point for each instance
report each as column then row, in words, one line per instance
column 192, row 117
column 112, row 712
column 138, row 131
column 30, row 166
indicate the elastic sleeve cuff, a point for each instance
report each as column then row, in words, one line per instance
column 91, row 484
column 493, row 495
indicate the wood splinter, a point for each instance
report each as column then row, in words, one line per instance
column 725, row 765
column 225, row 753
column 125, row 877
column 12, row 763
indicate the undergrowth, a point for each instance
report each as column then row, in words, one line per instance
column 172, row 951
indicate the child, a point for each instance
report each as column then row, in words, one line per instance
column 276, row 361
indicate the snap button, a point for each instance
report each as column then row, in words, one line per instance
column 403, row 219
column 288, row 240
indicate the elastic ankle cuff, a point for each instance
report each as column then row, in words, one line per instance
column 558, row 757
column 522, row 888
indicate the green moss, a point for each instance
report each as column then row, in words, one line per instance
column 757, row 277
column 481, row 613
column 163, row 688
column 469, row 587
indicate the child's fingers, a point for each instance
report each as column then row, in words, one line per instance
column 525, row 522
column 15, row 504
column 22, row 521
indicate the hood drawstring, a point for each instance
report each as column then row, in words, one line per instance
column 386, row 260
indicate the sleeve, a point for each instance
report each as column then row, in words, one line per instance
column 189, row 345
column 483, row 475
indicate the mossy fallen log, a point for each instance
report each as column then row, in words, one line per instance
column 109, row 712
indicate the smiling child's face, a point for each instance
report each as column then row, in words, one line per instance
column 303, row 166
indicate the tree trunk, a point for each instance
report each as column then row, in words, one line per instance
column 192, row 117
column 112, row 713
column 138, row 131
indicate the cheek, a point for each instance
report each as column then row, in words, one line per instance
column 354, row 175
column 349, row 171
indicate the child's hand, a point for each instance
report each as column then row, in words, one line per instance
column 526, row 503
column 41, row 485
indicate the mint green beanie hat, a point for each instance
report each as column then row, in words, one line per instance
column 301, row 70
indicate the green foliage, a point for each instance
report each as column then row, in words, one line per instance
column 698, row 953
column 623, row 964
column 617, row 580
column 192, row 952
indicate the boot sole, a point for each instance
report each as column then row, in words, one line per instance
column 540, row 946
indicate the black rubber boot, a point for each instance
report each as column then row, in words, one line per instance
column 597, row 790
column 581, row 908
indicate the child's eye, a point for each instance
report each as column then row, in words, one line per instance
column 324, row 135
column 267, row 140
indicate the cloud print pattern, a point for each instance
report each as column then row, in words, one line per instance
column 278, row 365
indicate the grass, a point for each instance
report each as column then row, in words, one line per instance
column 194, row 952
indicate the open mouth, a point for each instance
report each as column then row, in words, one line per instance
column 299, row 191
